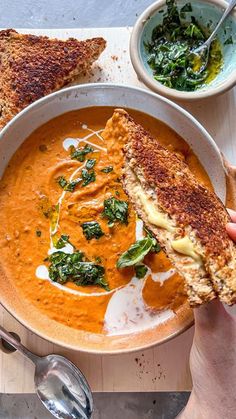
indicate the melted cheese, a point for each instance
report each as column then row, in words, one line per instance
column 186, row 247
column 153, row 215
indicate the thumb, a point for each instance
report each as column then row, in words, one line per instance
column 231, row 230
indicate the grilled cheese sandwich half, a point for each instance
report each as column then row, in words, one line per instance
column 186, row 218
column 34, row 66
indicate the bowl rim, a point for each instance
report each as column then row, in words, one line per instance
column 156, row 86
column 40, row 103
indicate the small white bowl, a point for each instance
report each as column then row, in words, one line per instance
column 206, row 12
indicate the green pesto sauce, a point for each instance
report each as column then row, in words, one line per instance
column 169, row 51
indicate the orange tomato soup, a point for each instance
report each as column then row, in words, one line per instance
column 29, row 190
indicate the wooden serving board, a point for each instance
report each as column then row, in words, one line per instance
column 163, row 368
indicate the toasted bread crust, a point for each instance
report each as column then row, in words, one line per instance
column 33, row 66
column 194, row 210
column 179, row 193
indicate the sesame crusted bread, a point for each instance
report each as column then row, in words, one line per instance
column 34, row 66
column 187, row 219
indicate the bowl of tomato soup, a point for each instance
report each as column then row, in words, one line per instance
column 59, row 237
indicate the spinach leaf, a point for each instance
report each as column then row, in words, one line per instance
column 194, row 32
column 92, row 229
column 90, row 163
column 136, row 252
column 107, row 169
column 115, row 210
column 88, row 177
column 81, row 152
column 229, row 41
column 73, row 267
column 140, row 271
column 171, row 18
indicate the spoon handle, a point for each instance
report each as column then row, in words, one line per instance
column 227, row 11
column 17, row 345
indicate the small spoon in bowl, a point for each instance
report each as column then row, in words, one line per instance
column 201, row 54
column 59, row 384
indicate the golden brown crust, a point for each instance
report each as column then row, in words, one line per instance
column 33, row 66
column 178, row 191
column 194, row 209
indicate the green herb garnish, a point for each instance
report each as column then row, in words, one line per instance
column 80, row 153
column 170, row 51
column 71, row 185
column 194, row 32
column 88, row 177
column 92, row 230
column 90, row 163
column 62, row 182
column 68, row 186
column 38, row 233
column 156, row 247
column 229, row 41
column 64, row 239
column 75, row 268
column 115, row 210
column 107, row 169
column 140, row 271
column 136, row 252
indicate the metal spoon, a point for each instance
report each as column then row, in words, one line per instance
column 202, row 52
column 59, row 384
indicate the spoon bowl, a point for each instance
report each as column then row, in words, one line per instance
column 201, row 53
column 200, row 57
column 62, row 388
column 59, row 384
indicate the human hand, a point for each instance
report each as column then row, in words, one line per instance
column 213, row 360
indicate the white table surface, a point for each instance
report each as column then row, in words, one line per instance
column 164, row 368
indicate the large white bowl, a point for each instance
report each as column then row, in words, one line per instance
column 77, row 97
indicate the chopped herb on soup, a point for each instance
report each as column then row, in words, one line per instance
column 170, row 50
column 115, row 210
column 156, row 248
column 62, row 241
column 88, row 177
column 81, row 152
column 75, row 268
column 107, row 169
column 90, row 163
column 140, row 271
column 136, row 252
column 68, row 186
column 92, row 230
